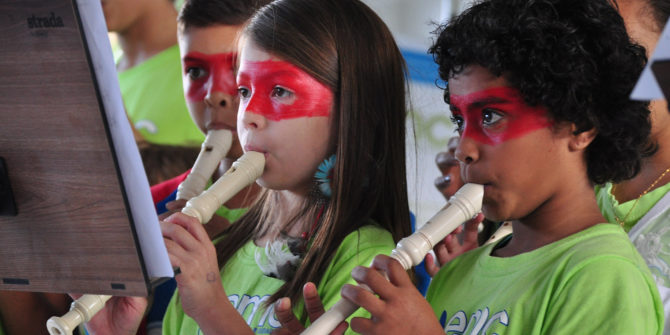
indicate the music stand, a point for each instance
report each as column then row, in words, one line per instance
column 76, row 206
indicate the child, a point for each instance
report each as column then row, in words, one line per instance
column 309, row 91
column 539, row 92
column 150, row 81
column 207, row 40
column 642, row 204
column 149, row 70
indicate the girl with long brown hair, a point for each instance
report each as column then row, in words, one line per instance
column 322, row 96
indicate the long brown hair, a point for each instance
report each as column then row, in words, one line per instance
column 346, row 46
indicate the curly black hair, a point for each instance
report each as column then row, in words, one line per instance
column 573, row 57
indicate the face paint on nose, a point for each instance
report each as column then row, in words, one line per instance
column 216, row 73
column 279, row 90
column 516, row 118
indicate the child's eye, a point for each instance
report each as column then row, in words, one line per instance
column 195, row 73
column 243, row 92
column 458, row 121
column 281, row 92
column 490, row 117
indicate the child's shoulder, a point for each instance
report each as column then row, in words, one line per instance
column 601, row 251
column 358, row 248
column 604, row 240
column 363, row 244
column 370, row 235
column 600, row 244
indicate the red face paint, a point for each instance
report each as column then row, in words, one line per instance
column 279, row 90
column 209, row 72
column 495, row 115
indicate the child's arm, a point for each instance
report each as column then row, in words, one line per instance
column 201, row 294
column 399, row 307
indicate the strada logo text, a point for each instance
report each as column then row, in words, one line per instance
column 40, row 22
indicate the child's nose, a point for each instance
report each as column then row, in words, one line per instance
column 467, row 151
column 219, row 99
column 251, row 118
column 223, row 81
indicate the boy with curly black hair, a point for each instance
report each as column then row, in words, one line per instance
column 539, row 92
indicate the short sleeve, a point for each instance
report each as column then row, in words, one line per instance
column 357, row 249
column 610, row 289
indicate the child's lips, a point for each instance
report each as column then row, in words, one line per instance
column 250, row 147
column 487, row 185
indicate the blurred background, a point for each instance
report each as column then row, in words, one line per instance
column 412, row 24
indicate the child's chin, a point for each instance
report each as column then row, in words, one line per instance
column 266, row 181
column 492, row 213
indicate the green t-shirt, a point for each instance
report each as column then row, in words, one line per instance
column 154, row 99
column 231, row 214
column 591, row 282
column 649, row 230
column 247, row 287
column 611, row 208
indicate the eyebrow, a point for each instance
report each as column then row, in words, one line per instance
column 480, row 103
column 199, row 57
column 488, row 101
column 192, row 59
column 279, row 73
column 241, row 76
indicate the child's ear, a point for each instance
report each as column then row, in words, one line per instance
column 579, row 141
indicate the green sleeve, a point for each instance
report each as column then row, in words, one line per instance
column 174, row 316
column 622, row 301
column 356, row 249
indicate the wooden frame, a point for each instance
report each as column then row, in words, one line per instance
column 74, row 230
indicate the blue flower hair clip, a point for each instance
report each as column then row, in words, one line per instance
column 324, row 176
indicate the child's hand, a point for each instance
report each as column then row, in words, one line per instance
column 191, row 250
column 214, row 227
column 400, row 307
column 314, row 307
column 174, row 206
column 450, row 180
column 121, row 315
column 451, row 247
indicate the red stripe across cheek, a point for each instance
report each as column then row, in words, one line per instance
column 309, row 98
column 472, row 129
column 518, row 118
column 224, row 74
column 219, row 75
column 257, row 104
column 196, row 90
